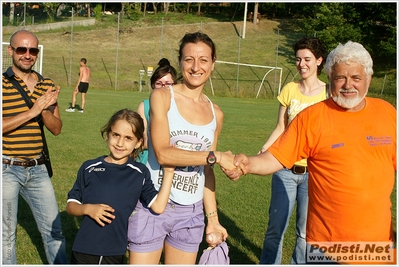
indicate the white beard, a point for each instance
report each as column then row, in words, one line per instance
column 348, row 103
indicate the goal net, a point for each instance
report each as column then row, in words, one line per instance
column 7, row 60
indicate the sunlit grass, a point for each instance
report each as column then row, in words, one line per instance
column 243, row 205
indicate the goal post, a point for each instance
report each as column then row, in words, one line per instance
column 269, row 69
column 7, row 60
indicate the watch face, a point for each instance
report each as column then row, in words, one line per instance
column 211, row 159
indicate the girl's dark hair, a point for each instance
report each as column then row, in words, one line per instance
column 164, row 69
column 315, row 46
column 134, row 119
column 197, row 37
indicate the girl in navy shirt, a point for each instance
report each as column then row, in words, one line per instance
column 107, row 190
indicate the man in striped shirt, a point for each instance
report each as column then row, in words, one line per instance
column 24, row 171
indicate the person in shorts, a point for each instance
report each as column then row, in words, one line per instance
column 184, row 128
column 81, row 87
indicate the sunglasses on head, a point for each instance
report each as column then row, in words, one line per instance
column 22, row 50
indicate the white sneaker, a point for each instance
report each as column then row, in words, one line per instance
column 81, row 110
column 70, row 110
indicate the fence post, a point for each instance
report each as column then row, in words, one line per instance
column 117, row 50
column 141, row 79
column 160, row 49
column 71, row 52
column 275, row 73
column 238, row 60
column 383, row 84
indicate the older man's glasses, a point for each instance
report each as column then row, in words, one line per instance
column 160, row 84
column 22, row 50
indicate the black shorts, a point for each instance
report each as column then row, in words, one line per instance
column 82, row 258
column 83, row 87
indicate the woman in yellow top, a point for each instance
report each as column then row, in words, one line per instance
column 290, row 185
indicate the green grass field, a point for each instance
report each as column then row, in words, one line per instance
column 243, row 205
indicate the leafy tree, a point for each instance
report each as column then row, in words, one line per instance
column 371, row 24
column 50, row 9
column 330, row 24
column 98, row 9
column 378, row 25
column 133, row 10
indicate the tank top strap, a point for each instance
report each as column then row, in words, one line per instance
column 172, row 94
column 173, row 103
column 213, row 109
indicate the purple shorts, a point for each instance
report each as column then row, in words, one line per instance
column 181, row 226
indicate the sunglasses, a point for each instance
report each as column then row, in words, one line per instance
column 22, row 50
column 160, row 84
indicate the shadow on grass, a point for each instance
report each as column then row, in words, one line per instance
column 27, row 222
column 77, row 107
column 70, row 228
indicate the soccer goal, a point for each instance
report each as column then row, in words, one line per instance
column 7, row 60
column 248, row 74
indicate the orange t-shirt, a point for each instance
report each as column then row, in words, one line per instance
column 352, row 161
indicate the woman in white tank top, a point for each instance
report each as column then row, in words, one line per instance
column 184, row 130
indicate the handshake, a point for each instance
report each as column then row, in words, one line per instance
column 233, row 165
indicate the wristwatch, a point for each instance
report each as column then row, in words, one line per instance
column 211, row 159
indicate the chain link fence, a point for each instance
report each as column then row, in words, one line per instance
column 120, row 57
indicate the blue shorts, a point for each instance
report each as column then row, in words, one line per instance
column 181, row 226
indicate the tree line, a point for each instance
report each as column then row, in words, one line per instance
column 371, row 24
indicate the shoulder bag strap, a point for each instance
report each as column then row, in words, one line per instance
column 28, row 101
column 30, row 105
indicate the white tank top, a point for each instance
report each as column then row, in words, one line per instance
column 188, row 181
